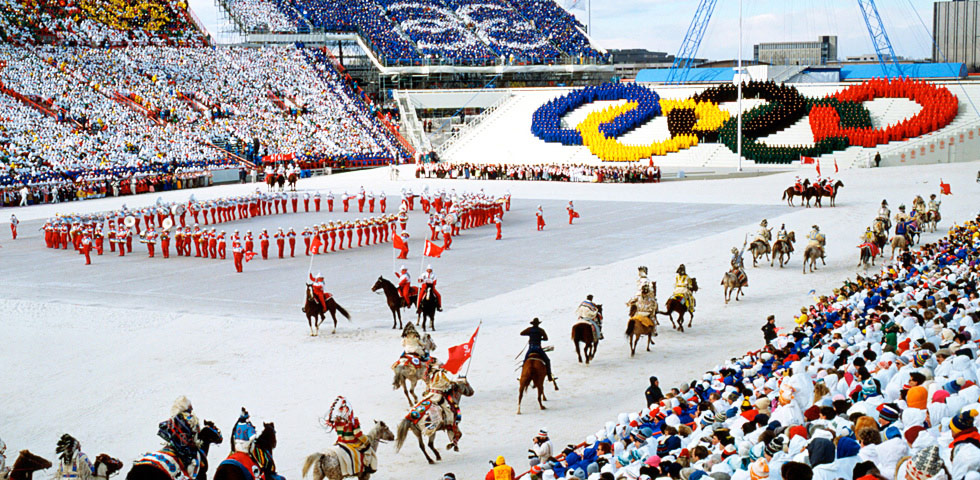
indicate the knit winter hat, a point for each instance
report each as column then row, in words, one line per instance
column 921, row 357
column 917, row 397
column 759, row 470
column 962, row 421
column 940, row 396
column 775, row 445
column 925, row 464
column 888, row 412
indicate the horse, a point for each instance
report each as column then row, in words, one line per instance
column 24, row 467
column 881, row 225
column 406, row 375
column 533, row 371
column 105, row 466
column 433, row 421
column 790, row 192
column 270, row 181
column 291, row 180
column 583, row 332
column 813, row 193
column 811, row 254
column 783, row 247
column 209, row 434
column 867, row 257
column 315, row 314
column 822, row 192
column 899, row 242
column 394, row 299
column 427, row 310
column 932, row 219
column 675, row 304
column 758, row 248
column 231, row 469
column 328, row 465
column 733, row 283
column 280, row 181
column 636, row 329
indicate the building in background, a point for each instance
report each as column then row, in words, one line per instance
column 954, row 24
column 820, row 52
column 629, row 61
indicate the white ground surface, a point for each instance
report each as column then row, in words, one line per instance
column 102, row 351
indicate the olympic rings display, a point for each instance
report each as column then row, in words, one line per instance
column 837, row 122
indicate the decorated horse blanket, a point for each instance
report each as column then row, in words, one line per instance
column 352, row 461
column 165, row 462
column 244, row 462
column 644, row 320
column 875, row 251
column 413, row 360
column 418, row 411
column 590, row 323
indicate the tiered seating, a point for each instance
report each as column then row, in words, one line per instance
column 437, row 31
column 97, row 22
column 507, row 32
column 560, row 26
column 256, row 15
column 365, row 17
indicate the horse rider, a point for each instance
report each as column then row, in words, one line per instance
column 816, row 238
column 918, row 204
column 885, row 215
column 342, row 419
column 404, row 285
column 783, row 235
column 764, row 234
column 318, row 292
column 934, row 205
column 535, row 335
column 642, row 280
column 738, row 265
column 74, row 464
column 682, row 287
column 588, row 311
column 428, row 281
column 412, row 343
column 646, row 306
column 242, row 432
column 798, row 185
column 869, row 236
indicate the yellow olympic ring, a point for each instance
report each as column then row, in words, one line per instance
column 709, row 116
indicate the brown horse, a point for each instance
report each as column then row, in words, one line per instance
column 790, row 192
column 635, row 329
column 900, row 243
column 582, row 332
column 26, row 464
column 270, row 181
column 230, row 469
column 315, row 313
column 534, row 371
column 676, row 305
column 783, row 248
column 291, row 180
column 822, row 192
column 394, row 299
column 758, row 248
column 811, row 254
column 104, row 466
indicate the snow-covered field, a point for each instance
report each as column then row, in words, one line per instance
column 102, row 351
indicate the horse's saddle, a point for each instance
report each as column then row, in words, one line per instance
column 591, row 323
column 245, row 463
column 167, row 463
column 352, row 461
column 871, row 246
column 740, row 276
column 412, row 360
column 644, row 319
column 684, row 297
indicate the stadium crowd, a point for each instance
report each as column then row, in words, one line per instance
column 506, row 31
column 257, row 15
column 543, row 172
column 878, row 380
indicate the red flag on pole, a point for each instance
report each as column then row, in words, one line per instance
column 835, row 166
column 315, row 244
column 248, row 256
column 459, row 354
column 944, row 188
column 818, row 167
column 398, row 242
column 807, row 160
column 432, row 250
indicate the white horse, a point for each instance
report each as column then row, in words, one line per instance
column 407, row 375
column 328, row 465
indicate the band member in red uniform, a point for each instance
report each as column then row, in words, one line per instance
column 13, row 226
column 572, row 214
column 496, row 221
column 165, row 243
column 281, row 242
column 87, row 248
column 264, row 244
column 292, row 242
column 239, row 254
column 540, row 214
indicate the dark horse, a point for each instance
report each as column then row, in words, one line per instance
column 582, row 332
column 395, row 301
column 676, row 305
column 315, row 314
column 291, row 179
column 230, row 469
column 427, row 310
column 208, row 435
column 26, row 464
column 822, row 192
column 105, row 466
column 791, row 192
column 534, row 371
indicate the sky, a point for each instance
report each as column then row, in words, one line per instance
column 660, row 25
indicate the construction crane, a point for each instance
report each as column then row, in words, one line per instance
column 699, row 24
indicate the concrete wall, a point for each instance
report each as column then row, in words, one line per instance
column 957, row 146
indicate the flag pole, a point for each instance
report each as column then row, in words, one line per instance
column 470, row 360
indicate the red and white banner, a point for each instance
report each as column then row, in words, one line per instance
column 279, row 157
column 432, row 250
column 459, row 354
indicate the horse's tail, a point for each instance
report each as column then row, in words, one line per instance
column 630, row 325
column 343, row 312
column 403, row 427
column 398, row 378
column 785, row 192
column 310, row 461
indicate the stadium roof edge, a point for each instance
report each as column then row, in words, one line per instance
column 855, row 72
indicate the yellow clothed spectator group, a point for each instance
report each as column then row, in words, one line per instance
column 710, row 118
column 153, row 15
